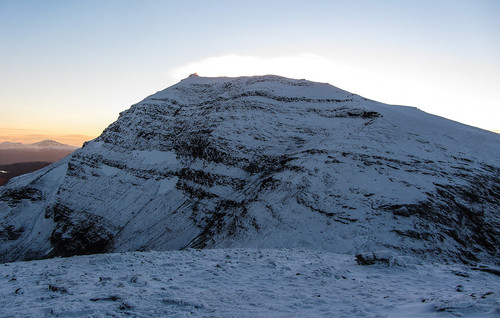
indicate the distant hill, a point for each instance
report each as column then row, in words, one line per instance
column 46, row 151
column 10, row 171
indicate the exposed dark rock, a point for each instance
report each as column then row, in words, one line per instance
column 58, row 289
column 371, row 258
column 88, row 234
column 15, row 196
column 10, row 233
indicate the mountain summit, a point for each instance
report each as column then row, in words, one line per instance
column 264, row 161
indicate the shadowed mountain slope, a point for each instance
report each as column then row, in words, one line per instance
column 264, row 161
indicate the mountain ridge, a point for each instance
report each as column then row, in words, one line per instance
column 37, row 145
column 46, row 150
column 264, row 161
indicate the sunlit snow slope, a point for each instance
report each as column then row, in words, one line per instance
column 264, row 162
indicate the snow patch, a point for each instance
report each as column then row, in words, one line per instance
column 167, row 185
column 110, row 171
column 158, row 157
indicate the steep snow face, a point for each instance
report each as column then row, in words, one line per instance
column 264, row 162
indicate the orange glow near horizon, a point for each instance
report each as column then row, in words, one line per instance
column 28, row 121
column 70, row 67
column 28, row 136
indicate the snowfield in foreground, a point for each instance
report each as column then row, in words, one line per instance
column 243, row 283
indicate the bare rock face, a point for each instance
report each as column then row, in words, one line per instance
column 264, row 162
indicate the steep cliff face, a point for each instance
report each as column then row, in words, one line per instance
column 264, row 162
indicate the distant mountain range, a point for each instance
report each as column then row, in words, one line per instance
column 46, row 151
column 44, row 144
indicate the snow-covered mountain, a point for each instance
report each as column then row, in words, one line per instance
column 264, row 161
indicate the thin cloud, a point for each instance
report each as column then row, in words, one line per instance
column 308, row 66
column 414, row 86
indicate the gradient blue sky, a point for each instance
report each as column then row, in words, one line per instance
column 69, row 67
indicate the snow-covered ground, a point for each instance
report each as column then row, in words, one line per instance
column 243, row 283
